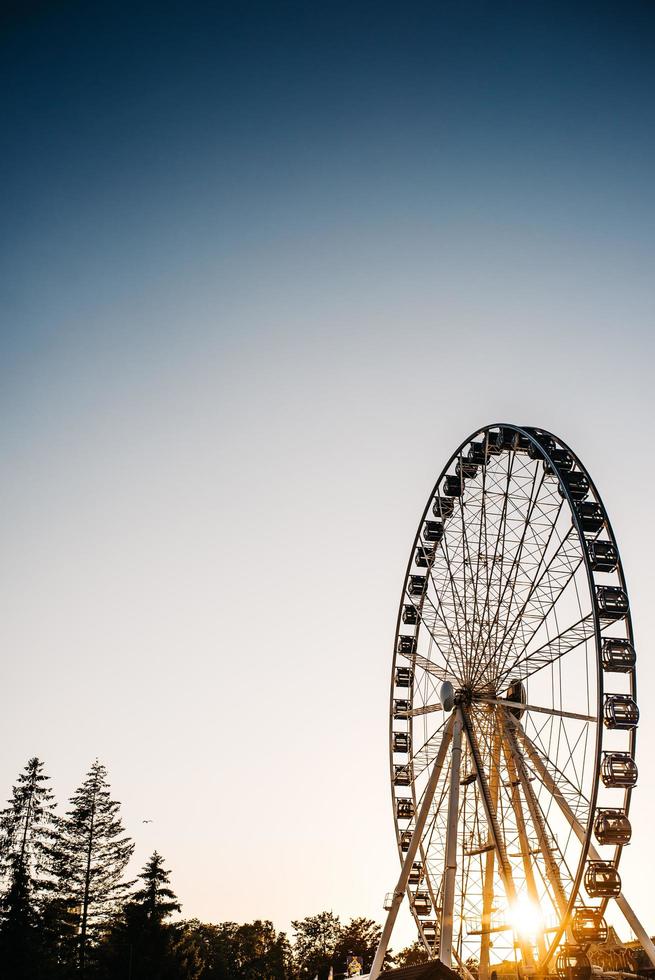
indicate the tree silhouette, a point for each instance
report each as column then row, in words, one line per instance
column 26, row 829
column 141, row 943
column 412, row 955
column 156, row 898
column 315, row 941
column 89, row 858
column 359, row 937
column 252, row 951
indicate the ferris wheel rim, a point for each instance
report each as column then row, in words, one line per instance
column 531, row 434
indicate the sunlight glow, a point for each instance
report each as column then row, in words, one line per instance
column 526, row 918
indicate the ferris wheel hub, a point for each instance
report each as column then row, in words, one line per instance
column 447, row 696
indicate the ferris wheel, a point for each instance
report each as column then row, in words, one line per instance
column 513, row 713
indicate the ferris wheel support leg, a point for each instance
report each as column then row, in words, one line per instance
column 489, row 865
column 504, row 866
column 421, row 819
column 516, row 776
column 446, row 936
column 552, row 867
column 462, row 965
column 548, row 781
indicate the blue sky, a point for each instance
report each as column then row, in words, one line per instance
column 262, row 268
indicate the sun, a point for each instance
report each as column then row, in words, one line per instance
column 526, row 918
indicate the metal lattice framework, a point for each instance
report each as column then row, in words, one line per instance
column 513, row 710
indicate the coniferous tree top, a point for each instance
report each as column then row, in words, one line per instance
column 156, row 898
column 26, row 830
column 27, row 824
column 90, row 856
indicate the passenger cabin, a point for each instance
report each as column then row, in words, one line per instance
column 477, row 454
column 545, row 442
column 416, row 873
column 402, row 741
column 576, row 483
column 424, row 556
column 603, row 556
column 443, row 507
column 602, row 880
column 612, row 603
column 465, row 469
column 612, row 827
column 591, row 516
column 588, row 926
column 416, row 585
column 404, row 808
column 562, row 459
column 618, row 656
column 400, row 707
column 404, row 676
column 406, row 644
column 572, row 963
column 422, row 903
column 452, row 486
column 410, row 615
column 521, row 443
column 433, row 531
column 402, row 775
column 618, row 770
column 405, row 840
column 620, row 712
column 430, row 930
column 497, row 441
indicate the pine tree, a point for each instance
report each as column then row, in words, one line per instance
column 141, row 940
column 26, row 829
column 90, row 857
column 156, row 898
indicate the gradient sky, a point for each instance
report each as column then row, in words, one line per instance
column 263, row 267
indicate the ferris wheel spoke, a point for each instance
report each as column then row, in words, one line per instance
column 534, row 554
column 428, row 751
column 482, row 526
column 510, row 576
column 519, row 706
column 554, row 580
column 546, row 544
column 458, row 647
column 439, row 614
column 556, row 776
column 426, row 709
column 500, row 533
column 570, row 750
column 569, row 639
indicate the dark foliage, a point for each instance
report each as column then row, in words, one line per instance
column 26, row 828
column 89, row 857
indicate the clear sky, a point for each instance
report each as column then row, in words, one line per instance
column 262, row 268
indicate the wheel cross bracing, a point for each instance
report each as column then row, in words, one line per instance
column 513, row 712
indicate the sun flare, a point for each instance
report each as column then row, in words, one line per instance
column 526, row 918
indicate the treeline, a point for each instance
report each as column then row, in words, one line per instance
column 67, row 910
